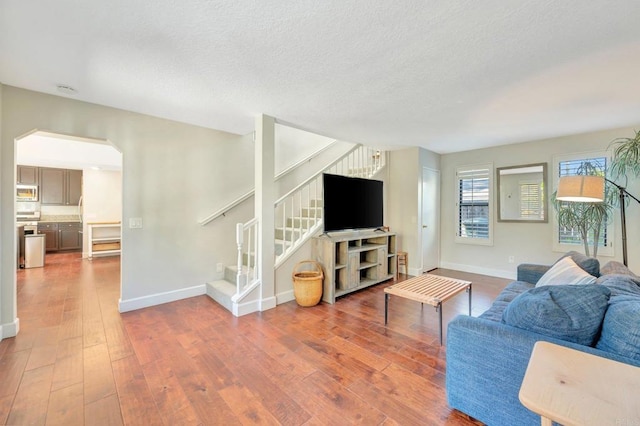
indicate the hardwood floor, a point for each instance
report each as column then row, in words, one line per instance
column 78, row 361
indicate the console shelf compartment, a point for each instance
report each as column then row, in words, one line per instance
column 354, row 260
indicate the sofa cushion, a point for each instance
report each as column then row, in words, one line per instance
column 510, row 292
column 621, row 329
column 613, row 267
column 620, row 284
column 565, row 271
column 568, row 312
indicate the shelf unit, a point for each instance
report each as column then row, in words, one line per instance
column 104, row 238
column 354, row 260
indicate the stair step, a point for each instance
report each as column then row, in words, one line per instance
column 231, row 273
column 365, row 171
column 312, row 212
column 222, row 291
column 304, row 222
column 287, row 233
column 316, row 203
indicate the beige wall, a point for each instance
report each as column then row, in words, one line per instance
column 527, row 242
column 404, row 195
column 173, row 175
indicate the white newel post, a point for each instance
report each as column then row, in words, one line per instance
column 239, row 242
column 264, row 207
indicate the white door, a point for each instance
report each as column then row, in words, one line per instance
column 430, row 219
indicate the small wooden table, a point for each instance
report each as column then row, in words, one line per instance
column 430, row 289
column 576, row 388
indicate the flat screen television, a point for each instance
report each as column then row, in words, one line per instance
column 351, row 203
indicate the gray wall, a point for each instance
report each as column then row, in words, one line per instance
column 527, row 242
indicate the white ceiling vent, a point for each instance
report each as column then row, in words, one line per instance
column 67, row 90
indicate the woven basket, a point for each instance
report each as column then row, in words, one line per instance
column 307, row 285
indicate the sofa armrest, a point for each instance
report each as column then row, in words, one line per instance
column 486, row 362
column 531, row 273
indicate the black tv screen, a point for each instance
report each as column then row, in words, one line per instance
column 351, row 203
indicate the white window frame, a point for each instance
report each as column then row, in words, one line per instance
column 461, row 172
column 607, row 250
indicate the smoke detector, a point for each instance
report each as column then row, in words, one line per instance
column 67, row 90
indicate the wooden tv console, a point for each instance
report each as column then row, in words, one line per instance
column 354, row 260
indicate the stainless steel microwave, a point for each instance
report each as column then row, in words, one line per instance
column 26, row 192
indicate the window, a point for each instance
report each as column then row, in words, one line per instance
column 589, row 164
column 474, row 204
column 531, row 200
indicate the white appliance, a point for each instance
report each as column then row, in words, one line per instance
column 34, row 247
column 26, row 192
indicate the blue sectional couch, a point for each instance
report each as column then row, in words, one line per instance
column 487, row 356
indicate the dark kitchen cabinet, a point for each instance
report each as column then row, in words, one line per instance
column 50, row 230
column 61, row 236
column 74, row 187
column 52, row 186
column 27, row 175
column 69, row 236
column 60, row 186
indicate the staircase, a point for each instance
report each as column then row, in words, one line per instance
column 298, row 216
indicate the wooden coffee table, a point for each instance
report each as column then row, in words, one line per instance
column 430, row 289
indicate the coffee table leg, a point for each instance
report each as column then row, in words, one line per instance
column 439, row 309
column 386, row 306
column 469, row 290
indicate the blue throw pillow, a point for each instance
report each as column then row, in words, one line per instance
column 621, row 328
column 567, row 312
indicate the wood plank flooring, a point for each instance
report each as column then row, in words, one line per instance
column 78, row 361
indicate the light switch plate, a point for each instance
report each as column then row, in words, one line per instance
column 135, row 222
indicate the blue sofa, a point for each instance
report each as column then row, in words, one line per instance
column 487, row 357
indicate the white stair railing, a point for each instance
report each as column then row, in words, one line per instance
column 298, row 216
column 247, row 240
column 298, row 213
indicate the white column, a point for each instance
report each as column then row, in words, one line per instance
column 264, row 206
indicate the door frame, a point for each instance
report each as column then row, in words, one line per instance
column 421, row 229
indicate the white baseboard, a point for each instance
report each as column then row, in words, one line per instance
column 10, row 329
column 240, row 309
column 415, row 271
column 284, row 297
column 268, row 303
column 160, row 298
column 479, row 270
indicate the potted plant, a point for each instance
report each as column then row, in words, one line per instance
column 586, row 218
column 626, row 157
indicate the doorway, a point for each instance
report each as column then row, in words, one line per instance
column 430, row 218
column 79, row 180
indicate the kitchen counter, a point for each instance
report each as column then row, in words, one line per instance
column 114, row 222
column 60, row 219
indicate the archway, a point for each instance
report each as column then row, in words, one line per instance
column 100, row 199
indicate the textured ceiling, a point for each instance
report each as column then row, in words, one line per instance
column 446, row 75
